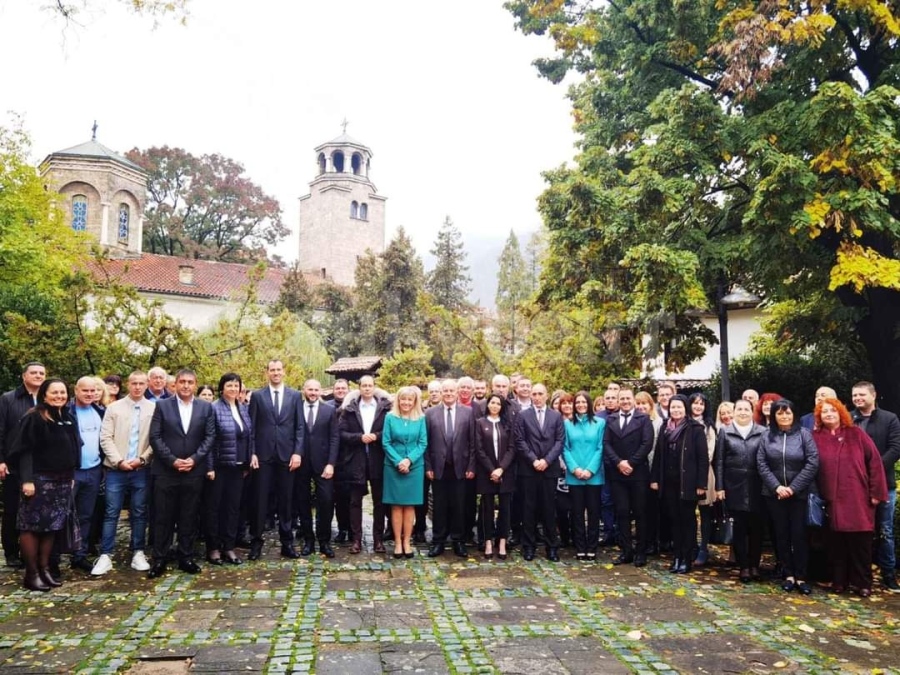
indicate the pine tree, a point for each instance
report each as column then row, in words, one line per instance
column 513, row 290
column 449, row 282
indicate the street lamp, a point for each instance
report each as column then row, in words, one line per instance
column 738, row 298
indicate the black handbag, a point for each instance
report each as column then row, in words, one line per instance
column 723, row 525
column 816, row 515
column 68, row 539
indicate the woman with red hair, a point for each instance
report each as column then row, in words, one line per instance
column 763, row 408
column 852, row 483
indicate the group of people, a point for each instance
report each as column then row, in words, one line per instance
column 515, row 465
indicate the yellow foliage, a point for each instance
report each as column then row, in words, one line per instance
column 863, row 267
column 547, row 8
column 817, row 210
column 877, row 9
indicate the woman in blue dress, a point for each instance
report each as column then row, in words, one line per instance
column 404, row 441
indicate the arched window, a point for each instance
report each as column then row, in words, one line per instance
column 364, row 211
column 337, row 160
column 354, row 209
column 321, row 162
column 79, row 213
column 356, row 163
column 123, row 223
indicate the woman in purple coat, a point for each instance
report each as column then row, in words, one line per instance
column 852, row 483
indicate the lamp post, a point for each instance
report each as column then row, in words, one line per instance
column 738, row 298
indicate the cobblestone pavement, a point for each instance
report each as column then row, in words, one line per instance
column 371, row 614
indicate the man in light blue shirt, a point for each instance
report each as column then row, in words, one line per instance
column 89, row 473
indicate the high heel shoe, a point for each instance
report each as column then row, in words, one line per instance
column 676, row 563
column 232, row 558
column 398, row 554
column 33, row 582
column 408, row 552
column 488, row 552
column 48, row 579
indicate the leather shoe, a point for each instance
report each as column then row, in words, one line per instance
column 640, row 560
column 326, row 550
column 838, row 589
column 33, row 582
column 215, row 561
column 82, row 564
column 342, row 537
column 232, row 558
column 158, row 569
column 674, row 566
column 623, row 559
column 378, row 547
column 683, row 568
column 459, row 549
column 288, row 551
column 805, row 589
column 308, row 548
column 865, row 592
column 189, row 566
column 436, row 550
column 355, row 547
column 528, row 553
column 255, row 551
column 48, row 579
column 553, row 554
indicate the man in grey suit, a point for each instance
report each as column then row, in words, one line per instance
column 182, row 432
column 449, row 463
column 539, row 436
column 276, row 414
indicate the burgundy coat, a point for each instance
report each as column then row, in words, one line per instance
column 851, row 474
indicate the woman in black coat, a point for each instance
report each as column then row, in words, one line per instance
column 48, row 450
column 680, row 473
column 227, row 466
column 788, row 462
column 737, row 482
column 495, row 473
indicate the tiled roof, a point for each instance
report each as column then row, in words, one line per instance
column 153, row 273
column 96, row 150
column 351, row 364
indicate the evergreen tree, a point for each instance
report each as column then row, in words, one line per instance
column 512, row 292
column 295, row 296
column 449, row 282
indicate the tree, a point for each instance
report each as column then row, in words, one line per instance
column 723, row 143
column 205, row 207
column 295, row 296
column 407, row 367
column 336, row 323
column 449, row 282
column 512, row 292
column 71, row 11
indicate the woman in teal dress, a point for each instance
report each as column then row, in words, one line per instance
column 404, row 441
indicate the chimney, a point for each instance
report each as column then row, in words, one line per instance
column 186, row 275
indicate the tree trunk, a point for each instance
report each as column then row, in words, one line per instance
column 879, row 332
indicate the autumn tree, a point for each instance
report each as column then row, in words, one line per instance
column 729, row 143
column 512, row 292
column 449, row 282
column 295, row 296
column 206, row 207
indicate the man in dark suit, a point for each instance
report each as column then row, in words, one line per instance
column 627, row 443
column 182, row 432
column 275, row 411
column 539, row 435
column 320, row 442
column 339, row 391
column 449, row 464
column 883, row 428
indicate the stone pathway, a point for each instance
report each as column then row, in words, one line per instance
column 369, row 614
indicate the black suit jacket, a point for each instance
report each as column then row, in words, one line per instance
column 277, row 437
column 884, row 430
column 633, row 444
column 534, row 443
column 321, row 442
column 462, row 447
column 170, row 442
column 353, row 456
column 488, row 461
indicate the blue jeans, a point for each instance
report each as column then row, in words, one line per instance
column 884, row 524
column 119, row 484
column 87, row 487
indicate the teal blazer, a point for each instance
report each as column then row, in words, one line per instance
column 583, row 449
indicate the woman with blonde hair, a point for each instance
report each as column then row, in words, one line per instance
column 404, row 440
column 643, row 402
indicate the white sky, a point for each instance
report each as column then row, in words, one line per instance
column 442, row 91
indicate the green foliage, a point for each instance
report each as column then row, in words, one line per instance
column 296, row 296
column 449, row 282
column 512, row 293
column 406, row 367
column 335, row 322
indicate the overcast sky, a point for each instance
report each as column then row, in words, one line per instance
column 442, row 91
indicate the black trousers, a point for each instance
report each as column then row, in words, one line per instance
column 177, row 499
column 470, row 509
column 850, row 554
column 586, row 517
column 495, row 528
column 421, row 525
column 12, row 488
column 538, row 496
column 789, row 521
column 630, row 500
column 449, row 515
column 324, row 504
column 222, row 508
column 271, row 480
column 342, row 505
column 748, row 536
column 375, row 480
column 683, row 521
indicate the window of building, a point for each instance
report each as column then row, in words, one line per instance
column 123, row 223
column 356, row 163
column 354, row 209
column 363, row 211
column 321, row 162
column 337, row 160
column 79, row 213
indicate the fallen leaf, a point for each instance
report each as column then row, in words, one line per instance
column 861, row 644
column 780, row 664
column 806, row 629
column 680, row 592
column 634, row 635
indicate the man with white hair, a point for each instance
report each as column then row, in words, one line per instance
column 157, row 380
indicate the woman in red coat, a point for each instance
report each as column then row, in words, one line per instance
column 852, row 483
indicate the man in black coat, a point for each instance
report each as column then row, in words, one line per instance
column 539, row 435
column 361, row 460
column 449, row 464
column 320, row 442
column 627, row 443
column 884, row 429
column 276, row 414
column 339, row 391
column 13, row 405
column 182, row 432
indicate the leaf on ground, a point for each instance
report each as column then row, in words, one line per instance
column 860, row 644
column 634, row 635
column 680, row 592
column 805, row 628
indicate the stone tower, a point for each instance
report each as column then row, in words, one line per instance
column 103, row 194
column 342, row 216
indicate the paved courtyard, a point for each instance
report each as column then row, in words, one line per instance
column 371, row 614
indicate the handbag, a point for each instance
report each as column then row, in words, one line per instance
column 723, row 525
column 815, row 510
column 68, row 539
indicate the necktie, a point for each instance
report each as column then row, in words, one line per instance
column 449, row 423
column 277, row 404
column 625, row 417
column 540, row 416
column 310, row 415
